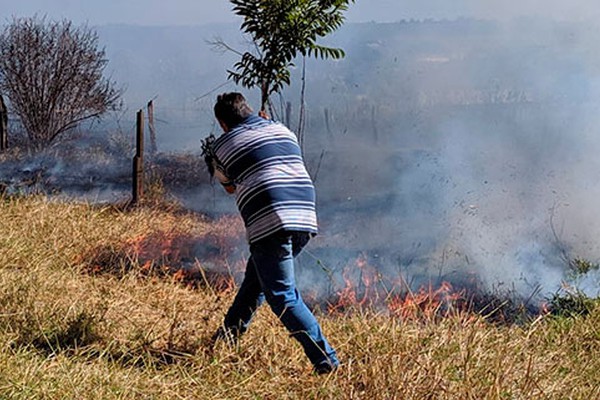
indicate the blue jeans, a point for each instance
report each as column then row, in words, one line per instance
column 270, row 275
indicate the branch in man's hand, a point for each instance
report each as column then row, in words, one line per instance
column 208, row 153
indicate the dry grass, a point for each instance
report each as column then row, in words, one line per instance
column 83, row 317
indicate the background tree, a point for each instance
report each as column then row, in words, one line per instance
column 280, row 31
column 52, row 74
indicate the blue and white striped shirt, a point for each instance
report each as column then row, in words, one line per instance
column 273, row 189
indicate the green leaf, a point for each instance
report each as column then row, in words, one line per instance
column 280, row 30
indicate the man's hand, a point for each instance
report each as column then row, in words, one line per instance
column 229, row 187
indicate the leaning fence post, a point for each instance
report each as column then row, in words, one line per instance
column 3, row 125
column 138, row 160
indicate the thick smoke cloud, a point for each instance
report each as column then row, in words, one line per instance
column 527, row 174
column 440, row 149
column 491, row 168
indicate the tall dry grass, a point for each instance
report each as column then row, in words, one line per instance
column 83, row 316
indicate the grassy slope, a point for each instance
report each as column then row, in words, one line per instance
column 121, row 334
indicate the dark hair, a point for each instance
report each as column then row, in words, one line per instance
column 232, row 108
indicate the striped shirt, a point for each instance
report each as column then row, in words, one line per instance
column 273, row 189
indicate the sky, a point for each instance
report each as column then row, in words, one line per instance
column 194, row 12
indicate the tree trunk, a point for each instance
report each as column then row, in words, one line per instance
column 264, row 98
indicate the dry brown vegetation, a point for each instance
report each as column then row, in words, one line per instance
column 52, row 72
column 92, row 307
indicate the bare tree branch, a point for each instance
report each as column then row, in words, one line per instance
column 52, row 73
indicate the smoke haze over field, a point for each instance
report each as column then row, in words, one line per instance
column 490, row 165
column 439, row 148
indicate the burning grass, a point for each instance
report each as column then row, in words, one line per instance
column 82, row 315
column 363, row 287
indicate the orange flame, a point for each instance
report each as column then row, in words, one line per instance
column 371, row 290
column 426, row 303
column 360, row 295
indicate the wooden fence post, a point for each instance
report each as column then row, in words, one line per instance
column 3, row 125
column 138, row 160
column 151, row 128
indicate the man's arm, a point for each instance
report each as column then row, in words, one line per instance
column 215, row 169
column 227, row 183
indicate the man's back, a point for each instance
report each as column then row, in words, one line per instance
column 273, row 188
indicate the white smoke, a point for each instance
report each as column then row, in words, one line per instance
column 496, row 171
